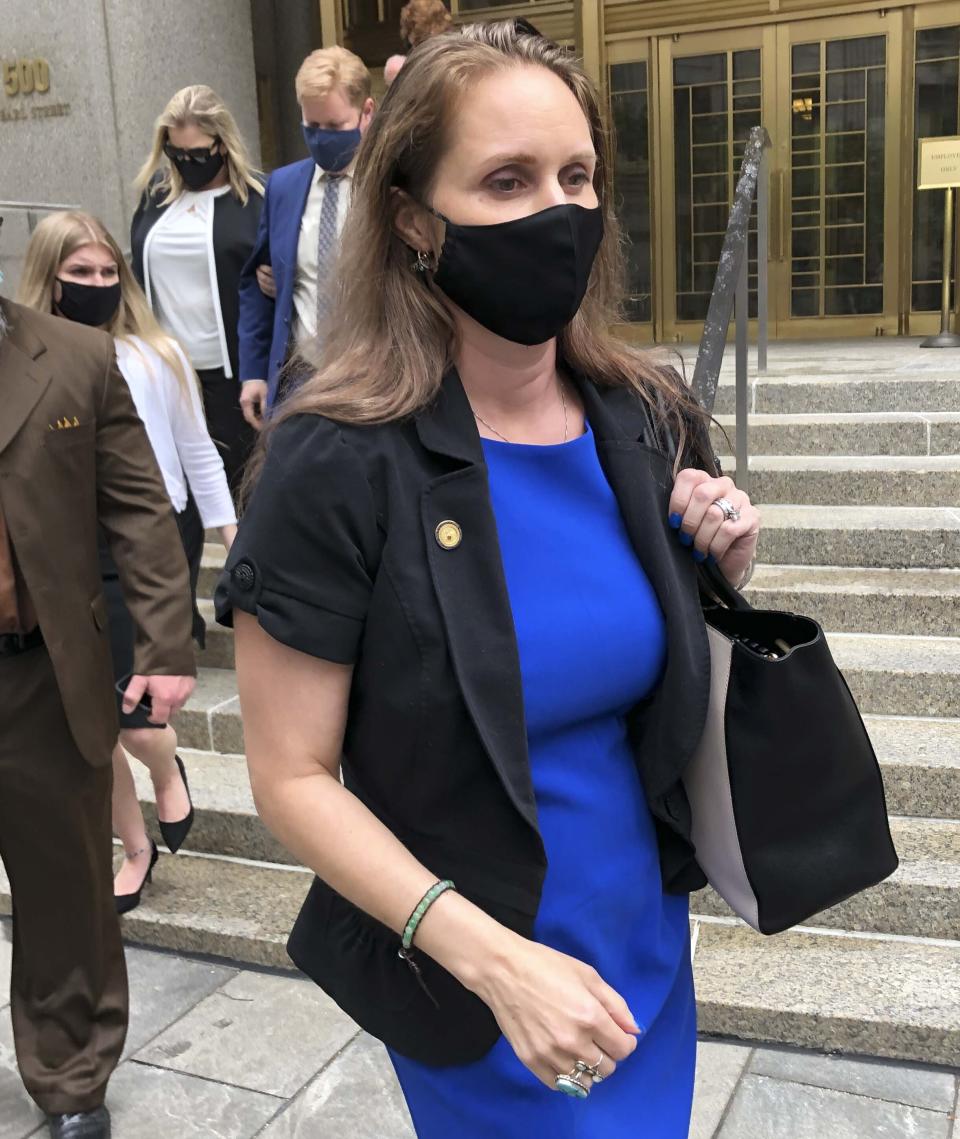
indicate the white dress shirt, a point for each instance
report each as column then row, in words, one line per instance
column 177, row 432
column 305, row 282
column 180, row 276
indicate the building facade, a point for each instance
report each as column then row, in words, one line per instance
column 844, row 90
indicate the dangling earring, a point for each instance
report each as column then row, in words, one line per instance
column 423, row 264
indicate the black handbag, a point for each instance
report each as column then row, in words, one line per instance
column 787, row 800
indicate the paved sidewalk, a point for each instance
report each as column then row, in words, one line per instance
column 216, row 1052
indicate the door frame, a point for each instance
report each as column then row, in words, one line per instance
column 920, row 323
column 774, row 41
column 668, row 48
column 886, row 322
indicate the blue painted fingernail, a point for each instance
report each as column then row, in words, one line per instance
column 675, row 520
column 699, row 556
column 711, row 560
column 685, row 538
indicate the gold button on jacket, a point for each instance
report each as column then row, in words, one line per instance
column 449, row 535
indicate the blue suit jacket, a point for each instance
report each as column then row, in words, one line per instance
column 265, row 324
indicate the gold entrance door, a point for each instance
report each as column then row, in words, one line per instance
column 835, row 200
column 713, row 89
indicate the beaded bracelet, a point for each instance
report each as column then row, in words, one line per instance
column 416, row 917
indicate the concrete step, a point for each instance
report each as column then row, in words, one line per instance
column 900, row 676
column 848, row 433
column 834, row 992
column 920, row 759
column 879, row 536
column 888, row 675
column 849, row 600
column 218, row 651
column 875, row 995
column 921, row 899
column 225, row 818
column 841, row 393
column 236, row 909
column 211, row 566
column 844, row 536
column 229, row 908
column 843, row 480
column 211, row 719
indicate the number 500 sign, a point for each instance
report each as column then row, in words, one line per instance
column 26, row 77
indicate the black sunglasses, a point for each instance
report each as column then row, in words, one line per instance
column 191, row 154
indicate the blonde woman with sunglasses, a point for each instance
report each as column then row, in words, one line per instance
column 191, row 235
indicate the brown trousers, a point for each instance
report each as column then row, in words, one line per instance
column 68, row 990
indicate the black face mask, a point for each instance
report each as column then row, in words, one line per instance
column 89, row 304
column 198, row 173
column 525, row 279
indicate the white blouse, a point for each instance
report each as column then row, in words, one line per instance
column 180, row 278
column 177, row 431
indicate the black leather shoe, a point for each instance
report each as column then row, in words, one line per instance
column 81, row 1125
column 127, row 902
column 174, row 834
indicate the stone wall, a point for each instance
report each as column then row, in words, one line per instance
column 113, row 64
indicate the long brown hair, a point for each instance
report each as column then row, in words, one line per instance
column 202, row 107
column 56, row 238
column 390, row 337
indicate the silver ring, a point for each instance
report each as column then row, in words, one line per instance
column 572, row 1084
column 592, row 1070
column 730, row 512
column 595, row 1070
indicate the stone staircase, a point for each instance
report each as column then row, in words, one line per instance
column 858, row 464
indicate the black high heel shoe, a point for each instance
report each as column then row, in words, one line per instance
column 174, row 834
column 127, row 902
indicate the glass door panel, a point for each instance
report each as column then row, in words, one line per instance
column 630, row 111
column 837, row 191
column 716, row 99
column 837, row 144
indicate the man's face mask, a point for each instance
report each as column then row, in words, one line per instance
column 332, row 151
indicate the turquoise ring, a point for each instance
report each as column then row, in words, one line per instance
column 571, row 1086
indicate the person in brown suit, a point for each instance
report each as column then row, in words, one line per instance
column 73, row 455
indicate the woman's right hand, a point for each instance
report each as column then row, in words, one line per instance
column 555, row 1010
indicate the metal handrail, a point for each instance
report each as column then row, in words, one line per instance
column 730, row 291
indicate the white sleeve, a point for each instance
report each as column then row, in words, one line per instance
column 198, row 455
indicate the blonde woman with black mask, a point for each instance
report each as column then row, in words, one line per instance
column 466, row 581
column 191, row 235
column 74, row 269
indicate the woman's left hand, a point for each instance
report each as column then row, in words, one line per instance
column 701, row 524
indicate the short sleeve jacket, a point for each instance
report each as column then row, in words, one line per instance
column 376, row 546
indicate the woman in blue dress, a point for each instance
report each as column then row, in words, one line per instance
column 466, row 581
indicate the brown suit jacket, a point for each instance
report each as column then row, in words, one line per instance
column 73, row 453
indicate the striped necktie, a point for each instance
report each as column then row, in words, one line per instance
column 327, row 243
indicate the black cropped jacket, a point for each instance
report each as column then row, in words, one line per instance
column 338, row 556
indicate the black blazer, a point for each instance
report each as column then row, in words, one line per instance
column 234, row 236
column 338, row 556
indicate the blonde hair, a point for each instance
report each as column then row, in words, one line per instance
column 421, row 19
column 390, row 337
column 330, row 67
column 202, row 107
column 57, row 237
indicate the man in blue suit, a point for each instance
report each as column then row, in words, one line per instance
column 304, row 209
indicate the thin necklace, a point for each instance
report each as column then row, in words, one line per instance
column 500, row 435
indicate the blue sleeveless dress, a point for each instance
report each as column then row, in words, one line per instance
column 592, row 643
